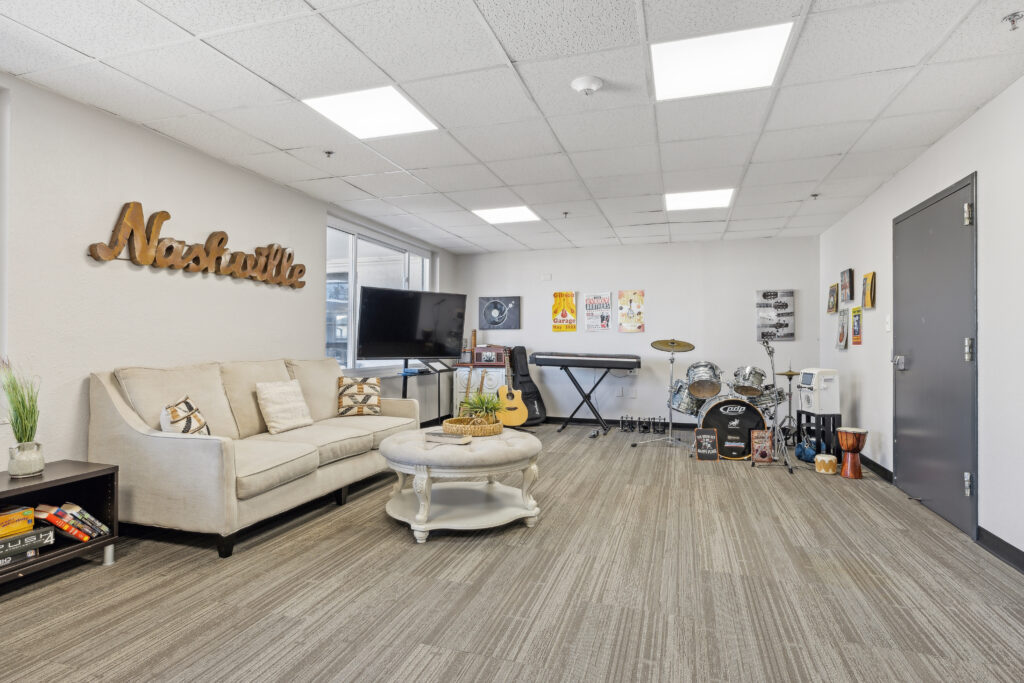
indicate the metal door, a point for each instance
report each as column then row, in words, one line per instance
column 935, row 323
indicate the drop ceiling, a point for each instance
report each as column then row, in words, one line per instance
column 864, row 87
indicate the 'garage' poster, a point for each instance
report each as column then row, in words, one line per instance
column 563, row 312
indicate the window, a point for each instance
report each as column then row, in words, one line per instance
column 375, row 265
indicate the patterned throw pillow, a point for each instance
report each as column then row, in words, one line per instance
column 358, row 396
column 183, row 417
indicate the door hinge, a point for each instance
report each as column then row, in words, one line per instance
column 968, row 349
column 968, row 213
column 968, row 484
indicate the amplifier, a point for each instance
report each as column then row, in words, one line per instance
column 819, row 391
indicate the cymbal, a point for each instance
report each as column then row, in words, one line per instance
column 671, row 345
column 788, row 373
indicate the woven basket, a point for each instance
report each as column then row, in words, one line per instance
column 473, row 426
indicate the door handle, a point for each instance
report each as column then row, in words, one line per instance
column 900, row 362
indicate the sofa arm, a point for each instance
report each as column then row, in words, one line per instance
column 401, row 407
column 165, row 479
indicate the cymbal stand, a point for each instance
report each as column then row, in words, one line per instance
column 779, row 447
column 672, row 440
column 789, row 422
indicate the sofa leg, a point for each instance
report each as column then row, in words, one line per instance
column 226, row 545
column 341, row 495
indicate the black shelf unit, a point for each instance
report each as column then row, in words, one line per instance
column 91, row 485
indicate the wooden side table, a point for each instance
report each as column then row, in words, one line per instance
column 91, row 485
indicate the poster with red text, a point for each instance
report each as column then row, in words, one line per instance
column 563, row 312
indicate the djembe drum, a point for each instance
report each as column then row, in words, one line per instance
column 851, row 440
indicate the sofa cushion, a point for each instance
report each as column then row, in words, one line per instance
column 261, row 466
column 381, row 426
column 358, row 396
column 240, row 379
column 319, row 382
column 148, row 390
column 334, row 443
column 282, row 405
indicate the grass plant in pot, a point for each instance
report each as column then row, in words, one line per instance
column 22, row 392
column 481, row 405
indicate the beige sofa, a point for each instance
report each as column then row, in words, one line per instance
column 241, row 474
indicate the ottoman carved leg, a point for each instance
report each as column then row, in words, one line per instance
column 399, row 484
column 421, row 485
column 529, row 478
column 421, row 536
column 490, row 479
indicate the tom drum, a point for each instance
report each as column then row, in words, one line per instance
column 704, row 379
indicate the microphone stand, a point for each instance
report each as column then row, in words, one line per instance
column 779, row 447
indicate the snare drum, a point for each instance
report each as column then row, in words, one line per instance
column 704, row 379
column 748, row 380
column 683, row 400
column 766, row 401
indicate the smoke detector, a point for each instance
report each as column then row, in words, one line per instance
column 587, row 85
column 1014, row 18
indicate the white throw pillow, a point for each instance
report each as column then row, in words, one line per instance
column 182, row 417
column 282, row 405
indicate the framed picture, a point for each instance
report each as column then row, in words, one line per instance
column 843, row 330
column 868, row 294
column 846, row 285
column 775, row 315
column 761, row 445
column 855, row 322
column 706, row 443
column 833, row 298
column 499, row 313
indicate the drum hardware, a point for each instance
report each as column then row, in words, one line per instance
column 644, row 425
column 593, row 434
column 626, row 424
column 780, row 452
column 671, row 346
column 788, row 424
column 659, row 426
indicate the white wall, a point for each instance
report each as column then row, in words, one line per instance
column 986, row 143
column 701, row 292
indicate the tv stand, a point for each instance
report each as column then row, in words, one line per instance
column 429, row 364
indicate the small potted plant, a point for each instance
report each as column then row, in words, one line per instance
column 483, row 406
column 26, row 458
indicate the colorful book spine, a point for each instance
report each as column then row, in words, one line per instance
column 77, row 511
column 15, row 520
column 47, row 514
column 22, row 543
column 75, row 522
column 14, row 560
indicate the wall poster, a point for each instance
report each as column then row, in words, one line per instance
column 855, row 326
column 833, row 298
column 499, row 313
column 597, row 308
column 563, row 312
column 846, row 285
column 867, row 299
column 843, row 332
column 631, row 310
column 775, row 314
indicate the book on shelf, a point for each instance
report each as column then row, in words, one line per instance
column 30, row 540
column 438, row 436
column 75, row 522
column 14, row 560
column 81, row 514
column 47, row 513
column 15, row 519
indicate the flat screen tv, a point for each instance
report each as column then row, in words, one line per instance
column 400, row 323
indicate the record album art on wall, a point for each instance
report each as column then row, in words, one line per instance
column 846, row 285
column 775, row 312
column 833, row 298
column 868, row 293
column 499, row 312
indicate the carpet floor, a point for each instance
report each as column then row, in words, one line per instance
column 645, row 565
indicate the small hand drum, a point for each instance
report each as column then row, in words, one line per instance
column 825, row 463
column 851, row 440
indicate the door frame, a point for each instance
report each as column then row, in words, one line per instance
column 972, row 182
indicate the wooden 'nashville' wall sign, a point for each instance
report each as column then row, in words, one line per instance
column 271, row 264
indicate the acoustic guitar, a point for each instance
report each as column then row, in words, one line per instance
column 513, row 411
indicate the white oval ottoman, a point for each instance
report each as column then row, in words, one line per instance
column 461, row 504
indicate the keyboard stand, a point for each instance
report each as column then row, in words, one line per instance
column 586, row 399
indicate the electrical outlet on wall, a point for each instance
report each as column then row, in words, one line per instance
column 632, row 393
column 618, row 391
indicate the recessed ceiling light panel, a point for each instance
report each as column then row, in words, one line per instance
column 705, row 199
column 508, row 214
column 723, row 62
column 373, row 113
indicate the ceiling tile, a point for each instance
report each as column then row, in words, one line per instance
column 852, row 187
column 201, row 16
column 580, row 223
column 801, row 232
column 490, row 198
column 913, row 130
column 279, row 166
column 698, row 215
column 452, row 219
column 509, row 140
column 627, row 127
column 370, row 207
column 814, row 220
column 698, row 237
column 603, row 163
column 199, row 75
column 350, row 159
column 769, row 194
column 822, row 206
column 830, row 5
column 860, row 98
column 773, row 172
column 454, row 178
column 419, row 39
column 982, row 33
column 288, row 125
column 685, row 155
column 422, row 150
column 550, row 168
column 591, row 234
column 622, row 220
column 598, row 242
column 546, row 193
column 23, row 50
column 624, row 185
column 547, row 240
column 534, row 29
column 656, row 230
column 498, row 243
column 658, row 239
column 476, row 231
column 330, row 189
column 104, row 87
column 624, row 73
column 718, row 115
column 779, row 210
column 882, row 162
column 976, row 83
column 813, row 141
column 749, row 234
column 673, row 20
column 870, row 39
column 703, row 179
column 478, row 98
column 413, row 224
column 422, row 203
column 210, row 135
column 620, row 205
column 576, row 209
column 701, row 228
column 326, row 63
column 389, row 184
column 89, row 26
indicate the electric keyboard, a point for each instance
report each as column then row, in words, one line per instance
column 610, row 361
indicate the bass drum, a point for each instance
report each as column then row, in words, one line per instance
column 733, row 418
